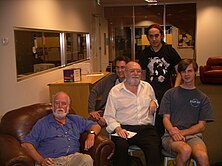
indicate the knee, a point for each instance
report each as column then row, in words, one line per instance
column 186, row 152
column 87, row 160
column 202, row 157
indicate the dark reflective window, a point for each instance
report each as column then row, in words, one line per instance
column 39, row 50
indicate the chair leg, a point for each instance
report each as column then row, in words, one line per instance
column 165, row 161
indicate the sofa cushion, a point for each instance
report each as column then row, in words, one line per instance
column 213, row 73
column 216, row 67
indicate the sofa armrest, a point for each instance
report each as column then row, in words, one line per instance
column 101, row 152
column 11, row 152
column 202, row 70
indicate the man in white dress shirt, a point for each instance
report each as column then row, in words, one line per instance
column 130, row 107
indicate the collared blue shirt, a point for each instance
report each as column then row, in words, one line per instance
column 52, row 139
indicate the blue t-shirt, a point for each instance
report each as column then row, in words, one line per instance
column 52, row 139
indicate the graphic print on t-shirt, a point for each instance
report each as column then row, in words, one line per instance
column 157, row 68
column 195, row 102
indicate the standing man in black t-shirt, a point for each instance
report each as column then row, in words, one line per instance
column 159, row 62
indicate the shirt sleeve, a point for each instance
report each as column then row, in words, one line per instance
column 35, row 134
column 175, row 57
column 83, row 124
column 109, row 114
column 100, row 90
column 142, row 59
column 153, row 97
column 95, row 92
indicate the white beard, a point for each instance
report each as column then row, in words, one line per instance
column 60, row 115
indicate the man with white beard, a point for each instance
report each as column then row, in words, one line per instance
column 54, row 139
column 130, row 108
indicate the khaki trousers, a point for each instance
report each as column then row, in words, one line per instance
column 76, row 159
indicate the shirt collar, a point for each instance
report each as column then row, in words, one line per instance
column 141, row 85
column 52, row 119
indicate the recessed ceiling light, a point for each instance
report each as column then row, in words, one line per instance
column 151, row 1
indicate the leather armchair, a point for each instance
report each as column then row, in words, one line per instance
column 212, row 71
column 17, row 123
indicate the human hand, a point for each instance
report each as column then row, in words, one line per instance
column 89, row 141
column 122, row 132
column 95, row 114
column 102, row 121
column 46, row 162
column 176, row 134
column 152, row 107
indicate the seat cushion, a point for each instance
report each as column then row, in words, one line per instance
column 213, row 73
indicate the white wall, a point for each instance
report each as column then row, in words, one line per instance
column 70, row 15
column 209, row 30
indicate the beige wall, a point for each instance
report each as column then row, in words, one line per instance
column 209, row 30
column 44, row 14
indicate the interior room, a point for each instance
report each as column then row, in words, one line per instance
column 39, row 39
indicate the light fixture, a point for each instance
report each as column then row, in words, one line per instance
column 151, row 1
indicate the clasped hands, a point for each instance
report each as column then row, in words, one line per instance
column 98, row 117
column 176, row 134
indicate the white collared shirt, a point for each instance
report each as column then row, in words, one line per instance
column 126, row 108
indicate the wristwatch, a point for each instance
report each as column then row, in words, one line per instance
column 92, row 132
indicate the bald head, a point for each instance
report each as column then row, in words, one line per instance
column 133, row 64
column 60, row 95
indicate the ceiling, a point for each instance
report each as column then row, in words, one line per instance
column 138, row 2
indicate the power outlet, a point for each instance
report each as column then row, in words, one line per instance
column 4, row 41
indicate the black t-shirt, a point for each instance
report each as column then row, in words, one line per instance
column 159, row 67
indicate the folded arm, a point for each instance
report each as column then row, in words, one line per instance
column 197, row 128
column 179, row 135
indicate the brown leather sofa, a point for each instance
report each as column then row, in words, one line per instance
column 17, row 123
column 212, row 71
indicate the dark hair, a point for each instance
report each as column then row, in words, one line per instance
column 122, row 58
column 155, row 26
column 184, row 63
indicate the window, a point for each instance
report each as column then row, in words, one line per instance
column 128, row 24
column 40, row 50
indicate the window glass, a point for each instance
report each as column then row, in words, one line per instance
column 40, row 50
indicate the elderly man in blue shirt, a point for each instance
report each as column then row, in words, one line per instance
column 54, row 139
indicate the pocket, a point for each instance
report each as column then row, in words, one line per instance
column 145, row 100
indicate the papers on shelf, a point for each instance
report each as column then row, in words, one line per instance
column 95, row 74
column 131, row 134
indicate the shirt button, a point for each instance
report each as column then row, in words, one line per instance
column 65, row 132
column 68, row 139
